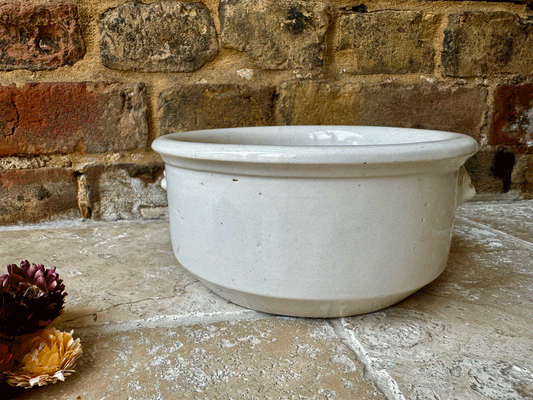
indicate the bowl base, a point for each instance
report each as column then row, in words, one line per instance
column 309, row 308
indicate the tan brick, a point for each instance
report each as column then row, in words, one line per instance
column 34, row 195
column 276, row 34
column 45, row 118
column 205, row 106
column 422, row 105
column 483, row 43
column 512, row 115
column 161, row 36
column 388, row 42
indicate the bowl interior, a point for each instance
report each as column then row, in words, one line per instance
column 314, row 136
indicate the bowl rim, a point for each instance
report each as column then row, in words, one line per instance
column 208, row 145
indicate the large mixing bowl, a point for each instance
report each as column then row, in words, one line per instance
column 314, row 221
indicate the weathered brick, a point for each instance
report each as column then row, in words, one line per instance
column 206, row 106
column 478, row 167
column 527, row 187
column 39, row 36
column 512, row 115
column 46, row 118
column 498, row 170
column 162, row 36
column 522, row 176
column 388, row 42
column 276, row 34
column 33, row 195
column 122, row 191
column 421, row 105
column 482, row 43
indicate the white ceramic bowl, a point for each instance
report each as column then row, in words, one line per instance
column 314, row 221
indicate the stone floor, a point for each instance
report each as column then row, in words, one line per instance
column 150, row 330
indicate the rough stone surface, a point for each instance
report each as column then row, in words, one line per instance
column 150, row 330
column 228, row 360
column 162, row 36
column 512, row 115
column 276, row 34
column 122, row 191
column 389, row 42
column 39, row 36
column 247, row 359
column 44, row 118
column 513, row 219
column 119, row 274
column 424, row 105
column 463, row 336
column 34, row 195
column 205, row 106
column 484, row 43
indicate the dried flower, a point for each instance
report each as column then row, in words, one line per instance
column 47, row 357
column 5, row 357
column 31, row 297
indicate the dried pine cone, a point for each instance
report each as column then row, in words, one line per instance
column 45, row 358
column 31, row 297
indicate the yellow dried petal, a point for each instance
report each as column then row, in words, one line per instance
column 48, row 358
column 53, row 360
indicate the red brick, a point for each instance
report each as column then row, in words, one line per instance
column 512, row 116
column 47, row 118
column 33, row 195
column 39, row 37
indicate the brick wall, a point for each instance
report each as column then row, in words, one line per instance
column 87, row 85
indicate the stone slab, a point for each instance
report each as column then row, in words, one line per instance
column 118, row 273
column 515, row 219
column 151, row 330
column 467, row 335
column 258, row 359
